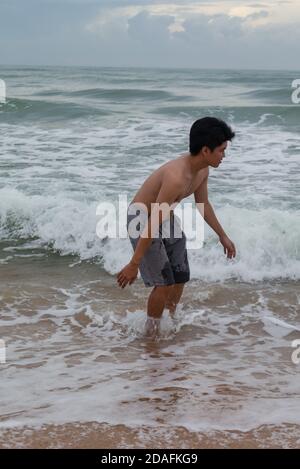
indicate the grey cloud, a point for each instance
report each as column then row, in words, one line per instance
column 149, row 28
column 258, row 5
column 222, row 41
column 58, row 35
column 257, row 15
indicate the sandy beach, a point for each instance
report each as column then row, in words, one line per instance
column 93, row 435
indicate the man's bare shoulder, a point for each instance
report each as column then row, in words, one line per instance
column 173, row 168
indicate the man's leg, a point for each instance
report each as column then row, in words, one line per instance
column 156, row 305
column 174, row 296
column 157, row 301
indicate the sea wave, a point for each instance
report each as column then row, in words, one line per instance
column 267, row 240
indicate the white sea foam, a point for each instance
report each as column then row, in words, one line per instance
column 267, row 240
column 201, row 377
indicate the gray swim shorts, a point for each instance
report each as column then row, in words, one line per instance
column 165, row 261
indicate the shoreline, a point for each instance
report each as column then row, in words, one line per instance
column 90, row 435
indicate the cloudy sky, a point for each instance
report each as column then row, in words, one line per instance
column 157, row 33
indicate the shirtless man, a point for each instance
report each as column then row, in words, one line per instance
column 163, row 262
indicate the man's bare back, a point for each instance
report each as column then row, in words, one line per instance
column 178, row 170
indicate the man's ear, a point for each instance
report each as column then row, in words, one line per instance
column 206, row 151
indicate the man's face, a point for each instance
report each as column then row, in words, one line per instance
column 216, row 156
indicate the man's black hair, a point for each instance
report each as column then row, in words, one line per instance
column 209, row 132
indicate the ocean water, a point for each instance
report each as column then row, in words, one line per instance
column 74, row 137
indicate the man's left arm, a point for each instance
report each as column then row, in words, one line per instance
column 201, row 197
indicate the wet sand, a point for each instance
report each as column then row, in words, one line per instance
column 100, row 436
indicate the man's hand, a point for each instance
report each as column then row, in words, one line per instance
column 229, row 247
column 128, row 274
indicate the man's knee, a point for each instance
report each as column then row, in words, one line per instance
column 174, row 296
column 163, row 290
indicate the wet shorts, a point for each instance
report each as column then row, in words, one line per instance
column 165, row 262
